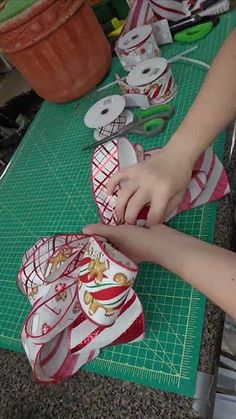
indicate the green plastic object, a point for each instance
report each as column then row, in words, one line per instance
column 166, row 110
column 13, row 8
column 106, row 10
column 156, row 125
column 153, row 120
column 194, row 33
column 47, row 190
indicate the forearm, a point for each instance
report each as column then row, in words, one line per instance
column 214, row 107
column 208, row 268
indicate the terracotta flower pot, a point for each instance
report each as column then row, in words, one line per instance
column 59, row 47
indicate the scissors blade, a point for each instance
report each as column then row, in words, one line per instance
column 123, row 130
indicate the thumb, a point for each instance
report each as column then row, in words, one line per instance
column 118, row 235
column 100, row 229
column 132, row 241
column 115, row 234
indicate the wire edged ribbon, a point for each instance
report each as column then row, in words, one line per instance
column 80, row 289
column 209, row 180
column 147, row 11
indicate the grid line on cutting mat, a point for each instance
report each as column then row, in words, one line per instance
column 47, row 190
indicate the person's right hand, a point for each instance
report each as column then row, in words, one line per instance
column 160, row 181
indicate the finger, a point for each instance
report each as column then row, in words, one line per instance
column 115, row 180
column 157, row 208
column 130, row 240
column 99, row 229
column 123, row 198
column 118, row 235
column 172, row 205
column 134, row 206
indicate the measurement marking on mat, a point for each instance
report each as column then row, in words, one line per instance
column 116, row 366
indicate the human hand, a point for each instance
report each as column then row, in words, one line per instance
column 160, row 181
column 137, row 243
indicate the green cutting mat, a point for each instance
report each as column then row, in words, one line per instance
column 47, row 190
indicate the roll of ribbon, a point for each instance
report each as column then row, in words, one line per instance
column 104, row 111
column 152, row 78
column 137, row 46
column 209, row 180
column 108, row 116
column 126, row 117
column 77, row 285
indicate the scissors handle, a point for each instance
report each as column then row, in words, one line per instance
column 159, row 111
column 195, row 33
column 150, row 127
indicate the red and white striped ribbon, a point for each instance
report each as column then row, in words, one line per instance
column 77, row 285
column 147, row 11
column 209, row 180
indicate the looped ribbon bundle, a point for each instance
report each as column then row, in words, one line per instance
column 80, row 288
column 209, row 180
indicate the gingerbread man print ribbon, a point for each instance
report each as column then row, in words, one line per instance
column 82, row 300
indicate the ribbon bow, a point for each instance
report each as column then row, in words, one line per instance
column 209, row 180
column 80, row 288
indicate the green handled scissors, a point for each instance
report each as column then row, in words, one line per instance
column 147, row 122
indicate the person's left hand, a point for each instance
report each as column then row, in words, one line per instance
column 137, row 243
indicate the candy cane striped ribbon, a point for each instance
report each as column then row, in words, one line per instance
column 209, row 180
column 147, row 11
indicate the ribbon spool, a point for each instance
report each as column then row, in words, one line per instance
column 137, row 46
column 104, row 111
column 126, row 117
column 108, row 116
column 152, row 78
